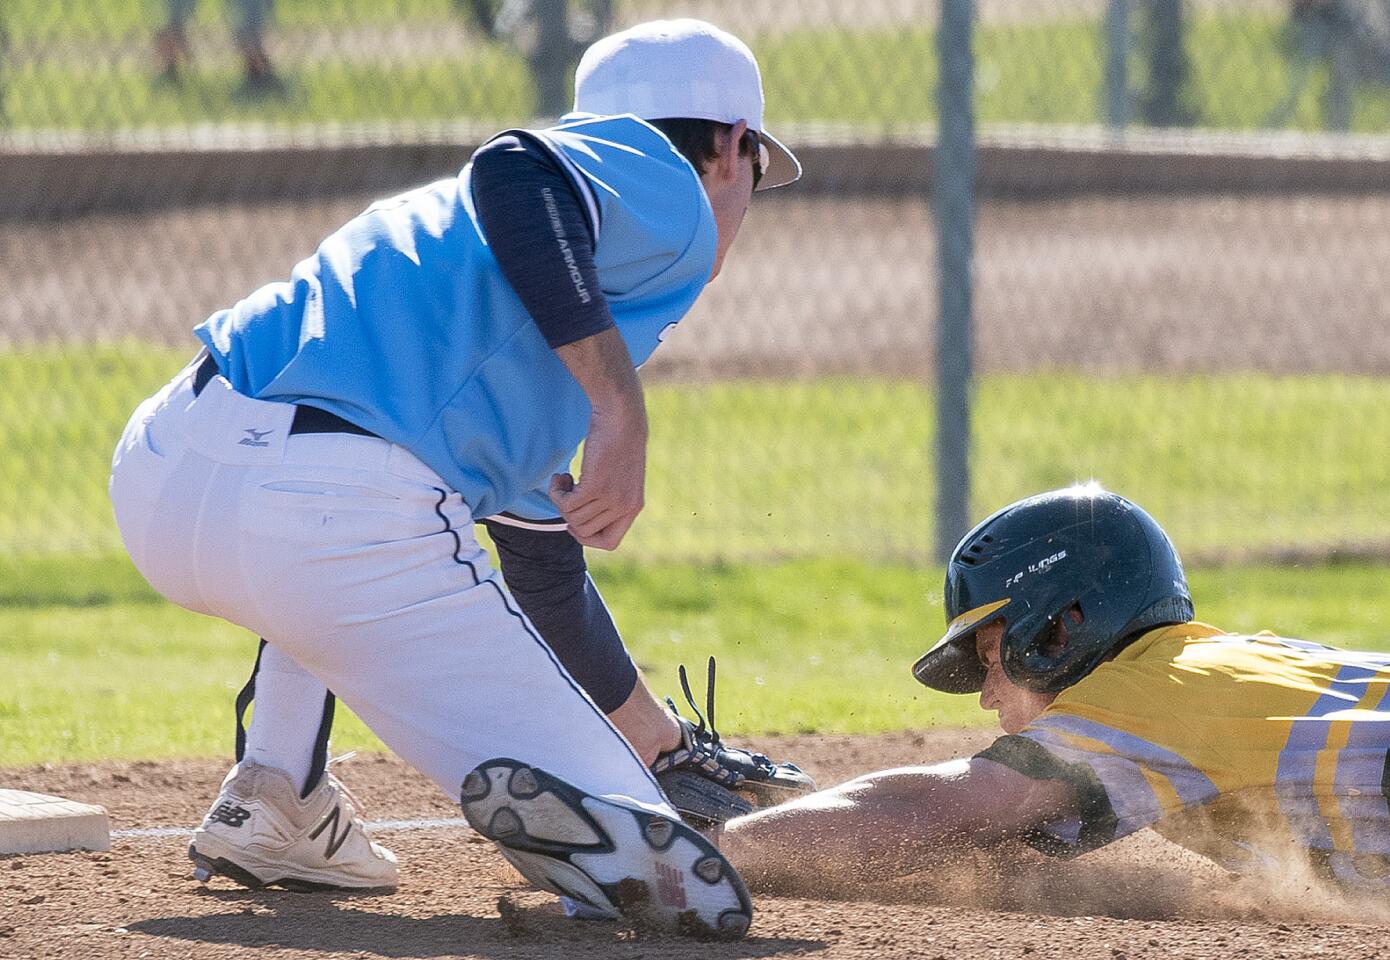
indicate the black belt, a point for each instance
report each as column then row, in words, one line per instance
column 306, row 419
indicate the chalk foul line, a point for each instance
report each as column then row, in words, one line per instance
column 160, row 833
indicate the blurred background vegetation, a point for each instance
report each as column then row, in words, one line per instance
column 1220, row 356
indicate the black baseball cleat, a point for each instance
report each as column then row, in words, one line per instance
column 623, row 861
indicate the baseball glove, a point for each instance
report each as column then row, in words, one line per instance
column 710, row 782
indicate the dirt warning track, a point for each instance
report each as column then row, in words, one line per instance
column 821, row 284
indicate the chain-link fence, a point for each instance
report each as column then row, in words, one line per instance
column 1194, row 317
column 865, row 66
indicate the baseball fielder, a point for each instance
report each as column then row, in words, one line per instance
column 1069, row 613
column 314, row 475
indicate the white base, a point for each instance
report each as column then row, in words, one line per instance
column 38, row 823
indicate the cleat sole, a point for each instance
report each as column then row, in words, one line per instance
column 523, row 784
column 659, row 833
column 475, row 787
column 205, row 868
column 710, row 869
column 733, row 925
column 505, row 825
column 657, row 872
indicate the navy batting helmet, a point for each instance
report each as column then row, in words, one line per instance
column 1034, row 561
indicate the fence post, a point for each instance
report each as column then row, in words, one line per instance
column 1116, row 91
column 550, row 64
column 953, row 201
column 1341, row 86
column 4, row 68
column 1163, row 39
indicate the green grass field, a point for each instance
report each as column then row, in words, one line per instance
column 57, row 21
column 747, row 471
column 1046, row 72
column 97, row 667
column 748, row 480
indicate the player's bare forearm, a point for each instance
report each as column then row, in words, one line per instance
column 647, row 724
column 889, row 823
column 872, row 827
column 602, row 365
column 602, row 506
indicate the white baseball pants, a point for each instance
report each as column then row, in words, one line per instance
column 357, row 561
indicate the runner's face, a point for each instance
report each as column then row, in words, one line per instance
column 1016, row 706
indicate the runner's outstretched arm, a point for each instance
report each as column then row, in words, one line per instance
column 890, row 823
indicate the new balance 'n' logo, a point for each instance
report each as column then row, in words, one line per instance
column 670, row 886
column 335, row 839
column 230, row 814
column 253, row 438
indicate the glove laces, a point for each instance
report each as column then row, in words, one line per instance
column 700, row 728
column 704, row 735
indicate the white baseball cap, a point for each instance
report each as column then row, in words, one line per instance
column 681, row 68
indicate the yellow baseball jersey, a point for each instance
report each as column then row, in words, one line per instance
column 1248, row 749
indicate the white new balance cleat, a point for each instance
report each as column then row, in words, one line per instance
column 607, row 858
column 260, row 833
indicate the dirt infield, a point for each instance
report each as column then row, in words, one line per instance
column 825, row 284
column 1142, row 898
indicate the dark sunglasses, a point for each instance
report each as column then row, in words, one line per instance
column 755, row 148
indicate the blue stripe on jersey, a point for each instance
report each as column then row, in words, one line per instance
column 1307, row 739
column 1132, row 799
column 1325, row 653
column 1359, row 780
column 1192, row 786
column 1292, row 644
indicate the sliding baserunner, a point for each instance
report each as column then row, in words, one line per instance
column 1069, row 614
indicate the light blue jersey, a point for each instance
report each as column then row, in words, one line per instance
column 403, row 324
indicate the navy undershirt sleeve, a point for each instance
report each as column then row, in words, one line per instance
column 546, row 573
column 536, row 224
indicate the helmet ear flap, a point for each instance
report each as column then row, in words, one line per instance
column 1036, row 653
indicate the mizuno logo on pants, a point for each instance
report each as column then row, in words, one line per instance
column 254, row 437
